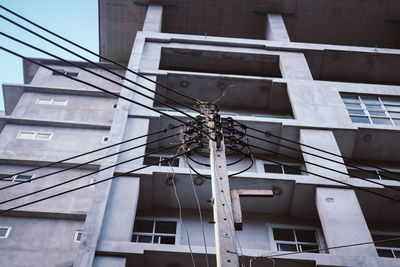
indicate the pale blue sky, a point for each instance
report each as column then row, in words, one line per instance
column 76, row 20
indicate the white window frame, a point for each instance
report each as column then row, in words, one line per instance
column 377, row 171
column 302, row 167
column 363, row 103
column 7, row 233
column 77, row 232
column 52, row 101
column 35, row 134
column 386, row 248
column 166, row 219
column 165, row 156
column 66, row 72
column 319, row 238
column 92, row 180
column 12, row 178
column 115, row 105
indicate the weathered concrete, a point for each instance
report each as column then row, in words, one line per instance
column 153, row 20
column 275, row 28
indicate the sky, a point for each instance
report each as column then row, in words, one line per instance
column 76, row 20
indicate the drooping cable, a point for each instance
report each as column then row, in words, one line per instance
column 77, row 156
column 200, row 213
column 95, row 54
column 106, row 78
column 180, row 215
column 94, row 183
column 94, row 172
column 318, row 149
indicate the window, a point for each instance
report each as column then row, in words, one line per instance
column 92, row 180
column 34, row 135
column 288, row 168
column 297, row 240
column 4, row 231
column 388, row 249
column 56, row 102
column 152, row 160
column 372, row 173
column 68, row 73
column 104, row 140
column 372, row 109
column 115, row 106
column 78, row 236
column 154, row 231
column 17, row 178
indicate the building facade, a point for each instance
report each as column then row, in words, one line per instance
column 321, row 73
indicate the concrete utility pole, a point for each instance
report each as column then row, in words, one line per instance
column 222, row 205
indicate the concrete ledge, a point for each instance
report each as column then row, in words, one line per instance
column 38, row 163
column 79, row 216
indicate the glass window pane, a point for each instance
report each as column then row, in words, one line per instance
column 350, row 98
column 56, row 72
column 22, row 178
column 78, row 237
column 72, row 74
column 134, row 238
column 359, row 119
column 151, row 160
column 3, row 232
column 377, row 113
column 396, row 121
column 370, row 99
column 3, row 177
column 167, row 240
column 273, row 168
column 283, row 234
column 60, row 102
column 165, row 227
column 287, row 247
column 143, row 226
column 353, row 105
column 390, row 100
column 394, row 114
column 145, row 239
column 356, row 112
column 27, row 135
column 370, row 174
column 292, row 169
column 385, row 253
column 43, row 101
column 374, row 107
column 309, row 247
column 381, row 121
column 174, row 162
column 390, row 175
column 43, row 136
column 393, row 108
column 306, row 236
column 397, row 253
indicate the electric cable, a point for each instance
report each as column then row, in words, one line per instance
column 83, row 164
column 180, row 215
column 94, row 183
column 106, row 78
column 200, row 213
column 322, row 157
column 88, row 174
column 327, row 168
column 86, row 153
column 95, row 86
column 331, row 179
column 95, row 54
column 316, row 148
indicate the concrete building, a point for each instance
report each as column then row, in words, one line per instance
column 323, row 73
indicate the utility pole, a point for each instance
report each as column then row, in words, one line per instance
column 222, row 205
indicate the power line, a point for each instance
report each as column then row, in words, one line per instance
column 91, row 173
column 95, row 54
column 316, row 148
column 322, row 157
column 94, row 183
column 327, row 168
column 87, row 153
column 83, row 164
column 331, row 179
column 105, row 78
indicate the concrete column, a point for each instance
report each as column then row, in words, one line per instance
column 276, row 29
column 294, row 66
column 324, row 140
column 153, row 20
column 343, row 222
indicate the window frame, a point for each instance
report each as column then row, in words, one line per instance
column 163, row 219
column 319, row 236
column 8, row 231
column 65, row 72
column 35, row 134
column 300, row 165
column 376, row 170
column 389, row 234
column 12, row 178
column 164, row 156
column 367, row 111
column 77, row 232
column 52, row 101
column 103, row 141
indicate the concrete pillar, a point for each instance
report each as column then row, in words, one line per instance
column 276, row 29
column 153, row 20
column 325, row 140
column 294, row 66
column 343, row 222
